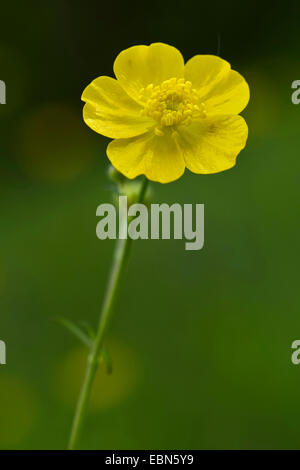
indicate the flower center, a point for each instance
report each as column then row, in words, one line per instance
column 171, row 103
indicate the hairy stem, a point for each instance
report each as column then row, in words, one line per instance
column 119, row 259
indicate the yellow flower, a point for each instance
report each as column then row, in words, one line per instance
column 166, row 115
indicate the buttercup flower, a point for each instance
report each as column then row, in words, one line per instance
column 166, row 115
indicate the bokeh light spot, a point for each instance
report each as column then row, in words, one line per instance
column 17, row 410
column 54, row 144
column 108, row 390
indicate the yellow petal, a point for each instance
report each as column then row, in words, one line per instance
column 224, row 91
column 111, row 112
column 212, row 145
column 205, row 71
column 157, row 157
column 140, row 66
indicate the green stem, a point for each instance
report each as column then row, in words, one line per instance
column 120, row 255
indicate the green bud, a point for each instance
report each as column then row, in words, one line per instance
column 132, row 189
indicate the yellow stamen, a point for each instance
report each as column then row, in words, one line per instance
column 173, row 102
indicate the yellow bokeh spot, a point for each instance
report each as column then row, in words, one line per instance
column 108, row 390
column 54, row 145
column 17, row 410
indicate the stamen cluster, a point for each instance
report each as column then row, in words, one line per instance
column 171, row 103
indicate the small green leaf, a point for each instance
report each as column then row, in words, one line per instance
column 88, row 329
column 75, row 330
column 86, row 335
column 105, row 358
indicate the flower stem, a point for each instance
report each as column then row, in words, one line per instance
column 120, row 256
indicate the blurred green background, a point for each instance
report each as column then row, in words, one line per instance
column 201, row 341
